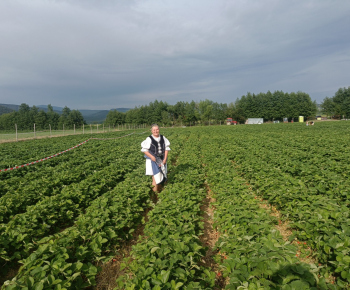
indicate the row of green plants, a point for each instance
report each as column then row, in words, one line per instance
column 68, row 259
column 18, row 238
column 18, row 153
column 52, row 213
column 306, row 185
column 283, row 164
column 307, row 156
column 75, row 167
column 108, row 216
column 90, row 151
column 15, row 179
column 251, row 252
column 169, row 255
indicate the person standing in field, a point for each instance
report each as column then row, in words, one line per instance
column 156, row 148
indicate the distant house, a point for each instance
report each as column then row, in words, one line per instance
column 320, row 118
column 255, row 121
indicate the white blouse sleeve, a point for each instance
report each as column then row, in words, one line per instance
column 146, row 144
column 167, row 144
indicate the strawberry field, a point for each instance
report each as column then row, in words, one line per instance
column 245, row 207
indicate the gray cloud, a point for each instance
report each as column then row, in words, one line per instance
column 106, row 54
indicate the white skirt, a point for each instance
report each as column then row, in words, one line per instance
column 149, row 170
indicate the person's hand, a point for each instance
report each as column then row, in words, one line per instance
column 164, row 161
column 153, row 158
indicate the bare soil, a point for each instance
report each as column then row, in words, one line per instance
column 209, row 238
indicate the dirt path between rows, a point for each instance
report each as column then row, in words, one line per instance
column 106, row 279
column 209, row 238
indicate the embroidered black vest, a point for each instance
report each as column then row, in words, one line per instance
column 154, row 146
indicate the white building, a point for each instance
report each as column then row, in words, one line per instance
column 255, row 121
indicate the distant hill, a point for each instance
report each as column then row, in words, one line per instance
column 4, row 110
column 94, row 116
column 12, row 107
column 90, row 116
column 98, row 116
column 122, row 110
column 56, row 109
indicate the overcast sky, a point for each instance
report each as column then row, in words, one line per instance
column 103, row 54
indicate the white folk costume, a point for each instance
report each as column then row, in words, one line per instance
column 157, row 147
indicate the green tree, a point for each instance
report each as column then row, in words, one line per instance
column 179, row 111
column 342, row 102
column 241, row 105
column 52, row 118
column 217, row 112
column 40, row 120
column 291, row 111
column 205, row 109
column 24, row 121
column 305, row 107
column 8, row 121
column 34, row 111
column 115, row 118
column 76, row 118
column 171, row 111
column 275, row 106
column 230, row 111
column 131, row 116
column 166, row 118
column 154, row 111
column 278, row 101
column 159, row 109
column 328, row 107
column 64, row 119
column 24, row 108
column 191, row 113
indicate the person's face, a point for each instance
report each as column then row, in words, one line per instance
column 155, row 131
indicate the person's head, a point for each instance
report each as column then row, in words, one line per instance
column 155, row 130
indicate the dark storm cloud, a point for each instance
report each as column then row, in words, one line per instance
column 106, row 54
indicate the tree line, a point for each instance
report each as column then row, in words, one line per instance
column 26, row 116
column 338, row 106
column 160, row 112
column 270, row 106
column 276, row 106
